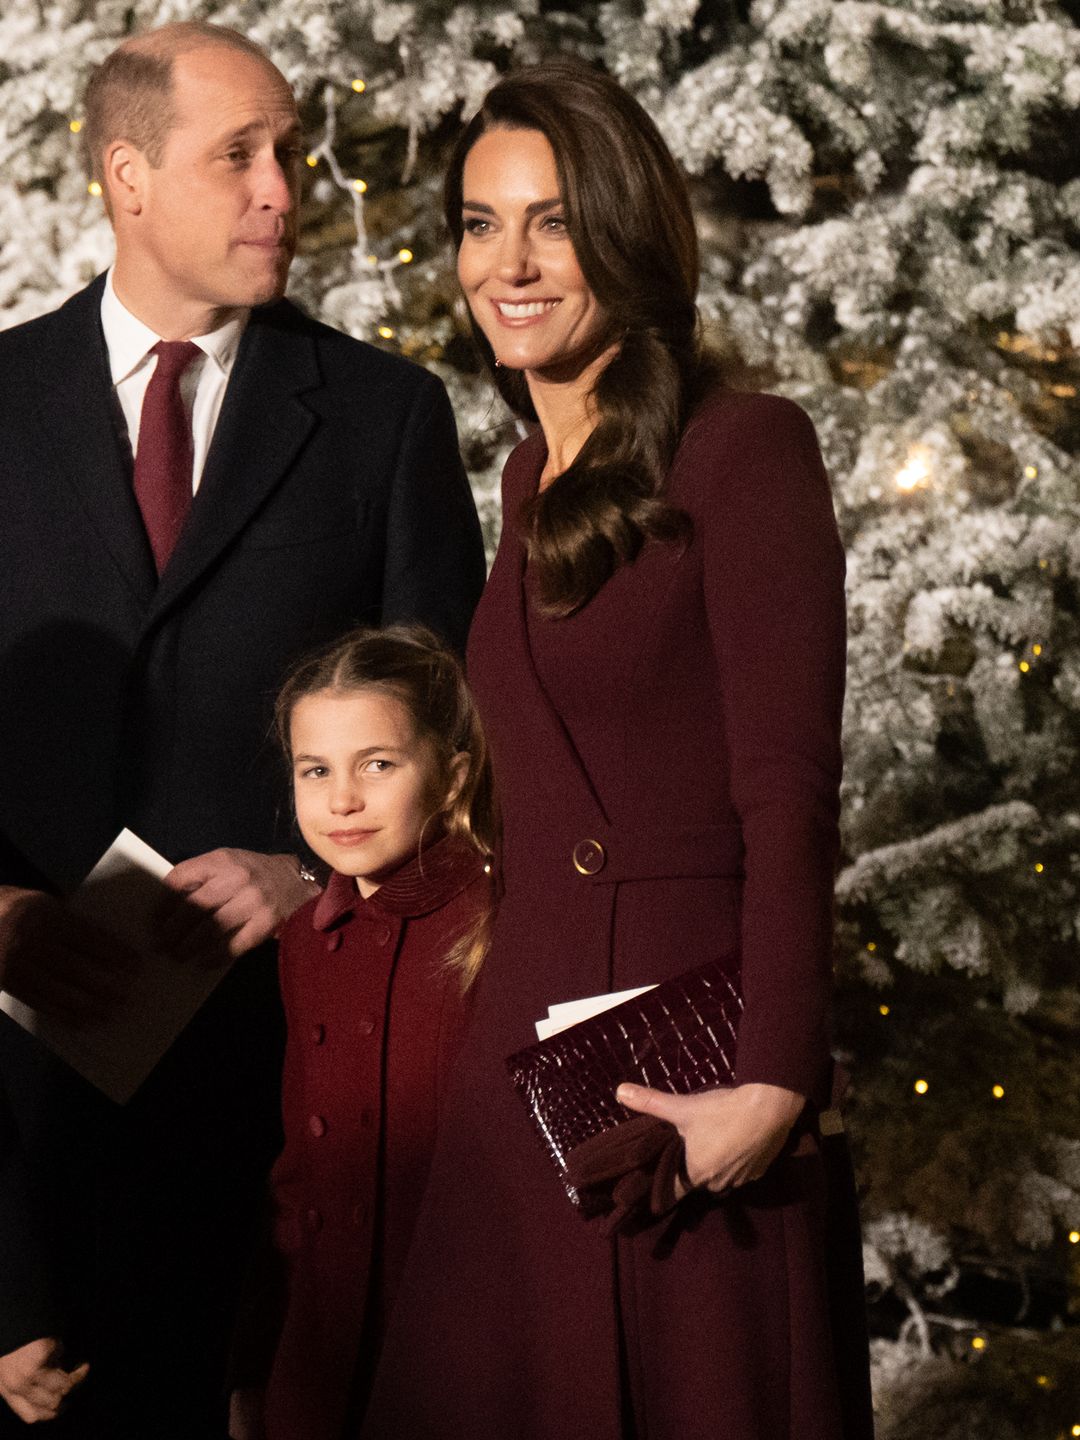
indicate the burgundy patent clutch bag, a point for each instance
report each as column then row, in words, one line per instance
column 679, row 1036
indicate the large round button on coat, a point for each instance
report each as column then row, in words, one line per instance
column 317, row 1126
column 589, row 857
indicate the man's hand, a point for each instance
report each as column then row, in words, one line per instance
column 34, row 1384
column 229, row 901
column 55, row 960
column 731, row 1136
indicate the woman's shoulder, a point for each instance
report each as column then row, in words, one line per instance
column 752, row 417
column 741, row 446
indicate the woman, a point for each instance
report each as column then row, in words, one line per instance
column 659, row 661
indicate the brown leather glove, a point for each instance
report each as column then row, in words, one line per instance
column 637, row 1164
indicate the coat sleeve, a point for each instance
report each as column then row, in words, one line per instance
column 774, row 581
column 434, row 551
column 31, row 1307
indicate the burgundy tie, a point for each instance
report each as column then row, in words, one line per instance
column 165, row 457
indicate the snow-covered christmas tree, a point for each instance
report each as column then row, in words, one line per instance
column 889, row 200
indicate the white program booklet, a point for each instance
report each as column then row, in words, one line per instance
column 572, row 1012
column 122, row 895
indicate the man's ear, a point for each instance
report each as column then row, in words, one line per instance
column 124, row 171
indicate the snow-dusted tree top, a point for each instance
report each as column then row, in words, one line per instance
column 889, row 201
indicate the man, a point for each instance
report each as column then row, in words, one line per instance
column 178, row 522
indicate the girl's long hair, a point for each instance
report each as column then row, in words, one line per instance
column 629, row 218
column 411, row 664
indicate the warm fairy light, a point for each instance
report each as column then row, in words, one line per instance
column 1074, row 1237
column 360, row 186
column 921, row 1087
column 1076, row 1430
column 978, row 1342
column 998, row 1092
column 385, row 333
column 359, row 86
column 883, row 1009
column 1043, row 564
column 1024, row 667
column 1039, row 867
column 1063, row 392
column 916, row 472
column 871, row 945
column 75, row 126
column 1030, row 472
column 313, row 160
column 1042, row 1379
column 372, row 259
column 94, row 188
column 405, row 256
column 1036, row 650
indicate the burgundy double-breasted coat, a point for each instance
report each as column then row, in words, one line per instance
column 375, row 1018
column 687, row 722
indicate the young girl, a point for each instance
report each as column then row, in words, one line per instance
column 393, row 792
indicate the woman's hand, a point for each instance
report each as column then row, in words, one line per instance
column 732, row 1136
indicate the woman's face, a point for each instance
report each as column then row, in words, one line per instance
column 516, row 263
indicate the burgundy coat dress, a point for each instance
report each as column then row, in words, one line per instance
column 687, row 723
column 374, row 1021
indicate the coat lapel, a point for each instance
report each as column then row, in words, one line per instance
column 262, row 427
column 81, row 432
column 559, row 761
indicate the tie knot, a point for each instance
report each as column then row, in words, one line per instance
column 174, row 356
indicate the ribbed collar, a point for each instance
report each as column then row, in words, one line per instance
column 439, row 873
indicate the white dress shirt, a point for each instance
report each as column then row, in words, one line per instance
column 202, row 386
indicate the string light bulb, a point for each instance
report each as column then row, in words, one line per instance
column 360, row 186
column 1039, row 867
column 1043, row 1380
column 1031, row 472
column 94, row 188
column 921, row 1087
column 871, row 945
column 405, row 256
column 385, row 333
column 1074, row 1237
column 312, row 161
column 1036, row 650
column 1024, row 667
column 75, row 126
column 1076, row 1429
column 883, row 1009
column 998, row 1092
column 359, row 86
column 978, row 1342
column 916, row 471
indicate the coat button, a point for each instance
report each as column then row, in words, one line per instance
column 589, row 857
column 382, row 935
column 317, row 1126
column 312, row 1220
column 365, row 1026
column 318, row 1034
column 333, row 940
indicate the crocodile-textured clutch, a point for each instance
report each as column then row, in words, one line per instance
column 679, row 1036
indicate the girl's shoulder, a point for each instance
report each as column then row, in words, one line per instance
column 753, row 418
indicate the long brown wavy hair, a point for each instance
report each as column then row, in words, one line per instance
column 628, row 213
column 411, row 664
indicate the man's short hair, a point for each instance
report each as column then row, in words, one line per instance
column 130, row 94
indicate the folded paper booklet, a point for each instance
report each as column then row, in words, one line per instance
column 122, row 895
column 572, row 1012
column 678, row 1036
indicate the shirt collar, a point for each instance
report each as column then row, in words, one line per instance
column 129, row 341
column 442, row 871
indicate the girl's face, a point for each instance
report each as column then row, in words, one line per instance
column 516, row 262
column 364, row 784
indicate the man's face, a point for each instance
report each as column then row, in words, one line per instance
column 216, row 226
